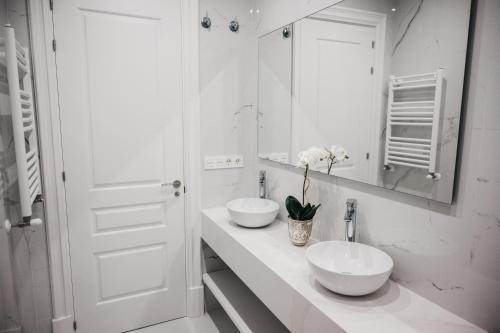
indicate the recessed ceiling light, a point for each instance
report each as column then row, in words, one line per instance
column 393, row 9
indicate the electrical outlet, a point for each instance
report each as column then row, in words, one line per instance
column 223, row 162
column 238, row 161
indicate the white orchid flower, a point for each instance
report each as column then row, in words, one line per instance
column 340, row 153
column 312, row 156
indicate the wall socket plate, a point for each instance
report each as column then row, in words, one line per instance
column 223, row 162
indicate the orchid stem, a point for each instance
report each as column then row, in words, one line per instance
column 304, row 185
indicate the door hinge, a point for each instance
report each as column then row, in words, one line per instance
column 371, row 70
column 54, row 46
column 51, row 4
column 367, row 156
column 74, row 325
column 184, row 189
column 373, row 44
column 63, row 176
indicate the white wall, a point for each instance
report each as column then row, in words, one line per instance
column 448, row 254
column 228, row 66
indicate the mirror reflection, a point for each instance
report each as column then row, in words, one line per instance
column 381, row 78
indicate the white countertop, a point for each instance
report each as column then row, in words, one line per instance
column 277, row 272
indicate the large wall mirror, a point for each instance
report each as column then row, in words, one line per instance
column 382, row 78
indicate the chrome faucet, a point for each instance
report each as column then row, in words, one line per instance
column 350, row 220
column 262, row 184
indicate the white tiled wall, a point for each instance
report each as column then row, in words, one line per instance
column 448, row 254
column 228, row 109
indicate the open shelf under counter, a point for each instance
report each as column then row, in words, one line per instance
column 247, row 312
column 278, row 274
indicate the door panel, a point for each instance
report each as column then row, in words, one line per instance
column 107, row 38
column 146, row 276
column 123, row 218
column 335, row 87
column 118, row 66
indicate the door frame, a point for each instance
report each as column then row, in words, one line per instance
column 44, row 66
column 359, row 17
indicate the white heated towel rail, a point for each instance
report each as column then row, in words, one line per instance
column 15, row 61
column 414, row 106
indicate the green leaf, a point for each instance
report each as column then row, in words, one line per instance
column 305, row 211
column 294, row 207
column 310, row 214
column 298, row 212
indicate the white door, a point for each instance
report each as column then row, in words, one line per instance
column 119, row 77
column 333, row 62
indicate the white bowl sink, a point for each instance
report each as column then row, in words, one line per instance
column 252, row 212
column 349, row 268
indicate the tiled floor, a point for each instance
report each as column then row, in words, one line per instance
column 183, row 325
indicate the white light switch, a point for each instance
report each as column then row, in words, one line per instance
column 223, row 162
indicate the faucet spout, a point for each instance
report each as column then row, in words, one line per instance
column 350, row 220
column 262, row 184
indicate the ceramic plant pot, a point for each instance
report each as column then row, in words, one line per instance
column 299, row 232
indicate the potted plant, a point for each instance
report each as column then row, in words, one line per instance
column 300, row 215
column 300, row 220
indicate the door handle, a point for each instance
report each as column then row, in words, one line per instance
column 175, row 184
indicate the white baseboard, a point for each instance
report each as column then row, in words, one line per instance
column 195, row 298
column 195, row 308
column 63, row 324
